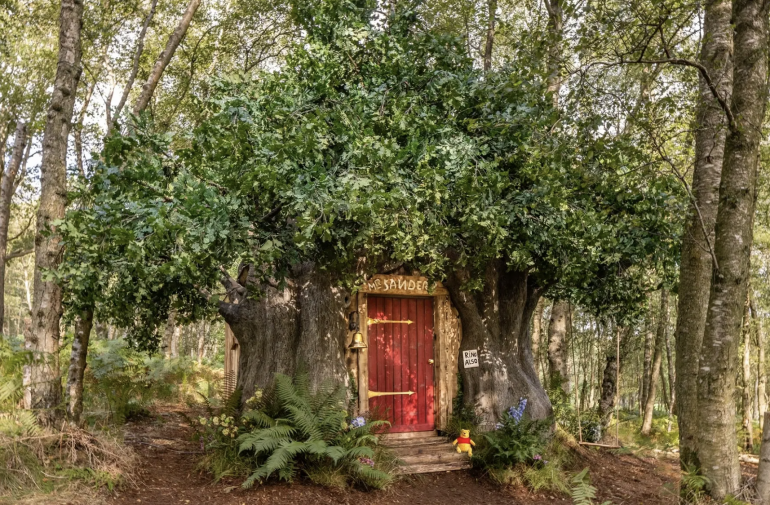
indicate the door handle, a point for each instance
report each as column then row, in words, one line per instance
column 430, row 361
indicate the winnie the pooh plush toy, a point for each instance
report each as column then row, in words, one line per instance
column 464, row 442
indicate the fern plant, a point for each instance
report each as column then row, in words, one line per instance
column 293, row 429
column 583, row 493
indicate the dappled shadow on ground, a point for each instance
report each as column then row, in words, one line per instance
column 169, row 476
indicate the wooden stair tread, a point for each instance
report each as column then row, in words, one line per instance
column 425, row 452
column 435, row 467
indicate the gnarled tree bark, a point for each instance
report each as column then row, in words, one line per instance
column 495, row 321
column 285, row 329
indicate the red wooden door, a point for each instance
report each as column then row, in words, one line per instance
column 400, row 361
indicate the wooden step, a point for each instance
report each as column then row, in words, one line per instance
column 417, row 442
column 424, row 452
column 434, row 457
column 409, row 435
column 434, row 467
column 411, row 450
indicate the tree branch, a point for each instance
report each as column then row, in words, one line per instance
column 18, row 253
column 686, row 63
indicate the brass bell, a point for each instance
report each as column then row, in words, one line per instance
column 358, row 342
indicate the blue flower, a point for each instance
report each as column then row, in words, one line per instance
column 518, row 412
column 358, row 422
column 499, row 426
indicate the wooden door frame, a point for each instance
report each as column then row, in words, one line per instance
column 444, row 369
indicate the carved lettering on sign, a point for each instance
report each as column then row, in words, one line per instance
column 402, row 285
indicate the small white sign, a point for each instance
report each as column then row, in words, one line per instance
column 471, row 359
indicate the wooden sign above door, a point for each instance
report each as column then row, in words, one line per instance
column 402, row 285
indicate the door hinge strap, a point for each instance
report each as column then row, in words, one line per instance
column 385, row 321
column 373, row 394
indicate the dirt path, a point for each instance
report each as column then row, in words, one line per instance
column 168, row 475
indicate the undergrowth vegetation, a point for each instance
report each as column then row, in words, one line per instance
column 37, row 460
column 290, row 430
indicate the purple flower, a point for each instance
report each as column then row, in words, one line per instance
column 358, row 422
column 537, row 457
column 499, row 426
column 366, row 461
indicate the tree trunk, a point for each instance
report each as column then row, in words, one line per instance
column 747, row 382
column 671, row 381
column 165, row 57
column 763, row 474
column 77, row 367
column 168, row 335
column 609, row 387
column 555, row 28
column 649, row 348
column 537, row 332
column 6, row 195
column 761, row 375
column 495, row 321
column 113, row 120
column 492, row 6
column 42, row 382
column 696, row 263
column 558, row 346
column 660, row 338
column 299, row 327
column 717, row 444
column 201, row 341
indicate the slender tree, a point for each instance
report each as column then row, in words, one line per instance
column 7, row 189
column 42, row 383
column 660, row 338
column 148, row 89
column 747, row 388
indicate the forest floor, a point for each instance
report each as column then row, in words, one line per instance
column 168, row 475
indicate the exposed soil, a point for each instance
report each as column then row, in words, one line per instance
column 168, row 475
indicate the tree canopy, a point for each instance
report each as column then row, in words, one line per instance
column 377, row 140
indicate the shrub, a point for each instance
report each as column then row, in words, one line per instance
column 291, row 430
column 124, row 382
column 515, row 440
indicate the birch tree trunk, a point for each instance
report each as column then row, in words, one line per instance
column 42, row 381
column 148, row 89
column 558, row 346
column 747, row 382
column 6, row 195
column 660, row 337
column 717, row 444
column 695, row 266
